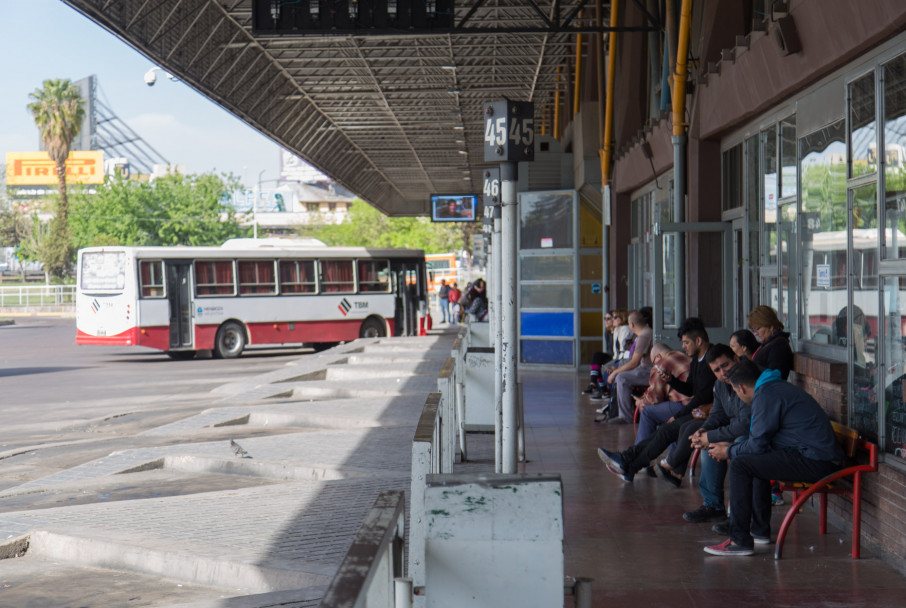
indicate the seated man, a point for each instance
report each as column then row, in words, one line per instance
column 729, row 420
column 638, row 456
column 674, row 364
column 635, row 371
column 695, row 345
column 791, row 438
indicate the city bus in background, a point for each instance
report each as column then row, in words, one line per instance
column 185, row 299
column 441, row 266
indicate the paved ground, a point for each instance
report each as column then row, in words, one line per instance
column 252, row 502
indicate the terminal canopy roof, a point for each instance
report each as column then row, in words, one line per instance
column 393, row 115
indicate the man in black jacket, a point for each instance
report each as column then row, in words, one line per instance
column 791, row 438
column 700, row 384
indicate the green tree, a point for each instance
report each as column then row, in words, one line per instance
column 365, row 226
column 58, row 111
column 173, row 210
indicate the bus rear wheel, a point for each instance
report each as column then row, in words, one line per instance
column 372, row 328
column 181, row 355
column 230, row 341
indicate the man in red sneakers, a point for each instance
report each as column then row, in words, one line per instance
column 791, row 438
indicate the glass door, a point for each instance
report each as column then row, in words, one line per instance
column 715, row 283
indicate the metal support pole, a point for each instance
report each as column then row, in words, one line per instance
column 497, row 273
column 508, row 310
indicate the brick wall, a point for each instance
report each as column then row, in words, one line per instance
column 884, row 493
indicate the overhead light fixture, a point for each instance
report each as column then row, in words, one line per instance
column 449, row 66
column 459, row 127
column 463, row 152
column 454, row 91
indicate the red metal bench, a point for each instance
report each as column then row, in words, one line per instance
column 853, row 445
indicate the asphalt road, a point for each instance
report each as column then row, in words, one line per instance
column 72, row 403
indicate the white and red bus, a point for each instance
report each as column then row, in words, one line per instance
column 185, row 299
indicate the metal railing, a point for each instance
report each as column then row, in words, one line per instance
column 37, row 295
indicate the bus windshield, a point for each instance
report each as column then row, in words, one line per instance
column 103, row 271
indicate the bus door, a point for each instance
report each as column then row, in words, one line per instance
column 405, row 296
column 179, row 294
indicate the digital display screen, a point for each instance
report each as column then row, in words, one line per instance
column 454, row 208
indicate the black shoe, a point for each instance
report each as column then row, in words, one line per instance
column 596, row 395
column 705, row 513
column 723, row 528
column 650, row 470
column 592, row 387
column 669, row 477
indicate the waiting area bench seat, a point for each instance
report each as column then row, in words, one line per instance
column 857, row 451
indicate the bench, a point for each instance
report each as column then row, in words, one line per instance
column 853, row 446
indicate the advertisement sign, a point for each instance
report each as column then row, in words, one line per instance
column 36, row 168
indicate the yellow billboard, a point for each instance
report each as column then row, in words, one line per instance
column 36, row 168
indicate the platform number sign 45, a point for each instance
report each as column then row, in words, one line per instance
column 509, row 131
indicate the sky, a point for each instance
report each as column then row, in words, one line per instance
column 46, row 39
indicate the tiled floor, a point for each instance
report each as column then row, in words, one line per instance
column 632, row 540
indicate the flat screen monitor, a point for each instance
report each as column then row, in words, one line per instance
column 454, row 208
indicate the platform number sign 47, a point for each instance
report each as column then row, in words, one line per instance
column 509, row 131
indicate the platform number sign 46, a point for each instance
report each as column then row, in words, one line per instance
column 509, row 131
column 491, row 190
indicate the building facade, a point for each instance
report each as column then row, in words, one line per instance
column 795, row 166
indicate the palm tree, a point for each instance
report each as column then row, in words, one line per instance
column 58, row 111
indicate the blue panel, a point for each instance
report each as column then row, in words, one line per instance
column 547, row 324
column 557, row 352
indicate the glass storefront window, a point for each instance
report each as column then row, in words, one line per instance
column 546, row 220
column 864, row 338
column 895, row 167
column 824, row 232
column 789, row 237
column 769, row 193
column 788, row 157
column 733, row 178
column 863, row 126
column 895, row 365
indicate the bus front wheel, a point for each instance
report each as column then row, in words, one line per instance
column 230, row 341
column 372, row 328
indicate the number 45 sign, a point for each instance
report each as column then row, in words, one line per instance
column 509, row 131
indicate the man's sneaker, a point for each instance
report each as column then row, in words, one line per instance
column 722, row 529
column 650, row 471
column 603, row 409
column 617, row 420
column 776, row 500
column 705, row 513
column 728, row 548
column 613, row 460
column 592, row 387
column 596, row 395
column 761, row 540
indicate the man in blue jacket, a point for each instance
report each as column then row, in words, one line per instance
column 791, row 438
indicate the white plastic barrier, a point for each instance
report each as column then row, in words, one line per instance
column 494, row 540
column 366, row 578
column 476, row 412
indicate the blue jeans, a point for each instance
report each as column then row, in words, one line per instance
column 443, row 304
column 655, row 415
column 711, row 481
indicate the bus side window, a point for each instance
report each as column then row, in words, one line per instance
column 151, row 277
column 256, row 277
column 297, row 276
column 337, row 276
column 214, row 278
column 374, row 275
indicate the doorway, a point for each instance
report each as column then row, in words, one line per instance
column 179, row 295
